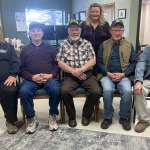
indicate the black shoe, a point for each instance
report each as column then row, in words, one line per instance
column 72, row 123
column 125, row 122
column 85, row 122
column 106, row 123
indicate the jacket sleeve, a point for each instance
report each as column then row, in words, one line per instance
column 133, row 60
column 24, row 73
column 56, row 69
column 141, row 65
column 100, row 64
column 14, row 62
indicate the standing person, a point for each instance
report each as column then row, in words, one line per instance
column 9, row 69
column 95, row 29
column 76, row 58
column 116, row 63
column 142, row 90
column 39, row 70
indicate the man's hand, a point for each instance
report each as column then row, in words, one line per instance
column 83, row 77
column 38, row 78
column 138, row 87
column 77, row 72
column 46, row 77
column 10, row 80
column 118, row 76
column 111, row 75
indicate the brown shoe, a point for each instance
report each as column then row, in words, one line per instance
column 72, row 123
column 11, row 128
column 85, row 122
column 141, row 126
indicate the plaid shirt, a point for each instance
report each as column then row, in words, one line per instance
column 76, row 55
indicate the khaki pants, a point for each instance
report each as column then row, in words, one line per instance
column 140, row 102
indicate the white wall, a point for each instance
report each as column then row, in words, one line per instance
column 145, row 23
column 131, row 13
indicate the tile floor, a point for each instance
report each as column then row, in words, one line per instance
column 41, row 107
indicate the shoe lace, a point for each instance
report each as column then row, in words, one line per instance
column 31, row 122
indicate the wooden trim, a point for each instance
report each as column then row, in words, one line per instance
column 109, row 4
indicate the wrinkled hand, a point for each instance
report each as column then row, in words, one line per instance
column 46, row 77
column 138, row 87
column 10, row 80
column 111, row 76
column 38, row 78
column 83, row 77
column 77, row 72
column 118, row 76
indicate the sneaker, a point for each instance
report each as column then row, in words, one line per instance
column 52, row 122
column 32, row 125
column 106, row 123
column 125, row 122
column 141, row 126
column 11, row 128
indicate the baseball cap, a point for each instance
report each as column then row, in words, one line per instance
column 117, row 21
column 73, row 22
column 36, row 25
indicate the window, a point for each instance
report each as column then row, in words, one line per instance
column 45, row 16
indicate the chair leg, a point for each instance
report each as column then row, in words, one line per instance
column 63, row 112
column 96, row 112
column 23, row 114
column 134, row 115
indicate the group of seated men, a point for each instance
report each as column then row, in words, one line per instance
column 39, row 65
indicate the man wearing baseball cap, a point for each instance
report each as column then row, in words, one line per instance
column 116, row 63
column 39, row 70
column 76, row 58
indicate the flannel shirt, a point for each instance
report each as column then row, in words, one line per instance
column 76, row 55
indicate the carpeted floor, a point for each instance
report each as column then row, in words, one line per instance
column 71, row 139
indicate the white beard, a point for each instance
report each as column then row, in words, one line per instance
column 74, row 39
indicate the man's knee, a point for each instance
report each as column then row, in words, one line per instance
column 11, row 89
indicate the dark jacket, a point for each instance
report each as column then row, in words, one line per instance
column 9, row 61
column 38, row 59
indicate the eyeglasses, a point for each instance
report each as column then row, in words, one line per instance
column 120, row 31
column 35, row 30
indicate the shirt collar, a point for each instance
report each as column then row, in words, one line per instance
column 72, row 43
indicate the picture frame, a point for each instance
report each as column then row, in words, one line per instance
column 121, row 13
column 77, row 16
column 82, row 15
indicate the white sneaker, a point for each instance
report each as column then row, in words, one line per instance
column 32, row 125
column 52, row 123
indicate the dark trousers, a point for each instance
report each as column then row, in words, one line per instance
column 27, row 92
column 9, row 101
column 68, row 90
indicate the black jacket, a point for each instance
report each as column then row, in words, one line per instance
column 9, row 61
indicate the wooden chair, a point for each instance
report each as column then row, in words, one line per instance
column 80, row 92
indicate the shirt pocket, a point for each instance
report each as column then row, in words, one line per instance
column 83, row 54
column 68, row 55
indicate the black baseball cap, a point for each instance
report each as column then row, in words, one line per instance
column 36, row 25
column 117, row 21
column 73, row 22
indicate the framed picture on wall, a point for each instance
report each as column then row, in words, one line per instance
column 121, row 13
column 76, row 16
column 82, row 15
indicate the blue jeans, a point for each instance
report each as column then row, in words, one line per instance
column 125, row 90
column 27, row 92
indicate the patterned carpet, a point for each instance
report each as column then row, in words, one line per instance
column 71, row 139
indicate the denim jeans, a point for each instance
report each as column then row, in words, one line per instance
column 125, row 90
column 27, row 92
